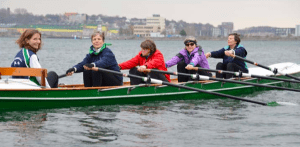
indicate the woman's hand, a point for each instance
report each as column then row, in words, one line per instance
column 228, row 53
column 70, row 71
column 88, row 66
column 189, row 67
column 142, row 68
column 207, row 55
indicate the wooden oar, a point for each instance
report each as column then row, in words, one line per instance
column 241, row 74
column 274, row 70
column 194, row 76
column 183, row 87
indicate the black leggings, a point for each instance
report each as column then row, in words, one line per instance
column 98, row 78
column 228, row 67
column 181, row 68
column 154, row 75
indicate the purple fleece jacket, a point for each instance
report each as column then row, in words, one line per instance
column 194, row 58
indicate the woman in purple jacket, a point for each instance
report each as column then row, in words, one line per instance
column 191, row 56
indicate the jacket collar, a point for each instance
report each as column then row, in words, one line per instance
column 94, row 52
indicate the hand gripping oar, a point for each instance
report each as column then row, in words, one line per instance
column 183, row 87
column 241, row 74
column 197, row 76
column 274, row 70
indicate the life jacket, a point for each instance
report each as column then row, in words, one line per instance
column 22, row 59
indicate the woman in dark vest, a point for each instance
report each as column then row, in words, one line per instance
column 30, row 43
column 99, row 56
column 230, row 64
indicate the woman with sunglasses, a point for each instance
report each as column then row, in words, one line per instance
column 148, row 58
column 230, row 64
column 191, row 56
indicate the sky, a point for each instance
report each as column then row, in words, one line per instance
column 243, row 13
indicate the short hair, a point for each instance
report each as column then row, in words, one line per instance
column 149, row 44
column 190, row 39
column 236, row 37
column 98, row 33
column 25, row 36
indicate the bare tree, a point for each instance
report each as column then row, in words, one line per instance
column 20, row 11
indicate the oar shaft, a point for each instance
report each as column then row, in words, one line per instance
column 213, row 93
column 254, row 63
column 273, row 78
column 275, row 71
column 254, row 84
column 226, row 80
column 179, row 86
column 248, row 75
column 290, row 76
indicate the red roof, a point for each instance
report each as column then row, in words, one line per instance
column 70, row 13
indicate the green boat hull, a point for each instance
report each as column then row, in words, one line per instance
column 64, row 98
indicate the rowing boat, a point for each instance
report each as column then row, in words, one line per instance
column 23, row 94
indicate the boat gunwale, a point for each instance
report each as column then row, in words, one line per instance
column 129, row 96
column 81, row 87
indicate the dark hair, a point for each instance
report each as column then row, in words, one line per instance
column 149, row 44
column 236, row 37
column 98, row 33
column 25, row 36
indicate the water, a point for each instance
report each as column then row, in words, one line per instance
column 219, row 122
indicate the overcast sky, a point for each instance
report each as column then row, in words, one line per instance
column 243, row 13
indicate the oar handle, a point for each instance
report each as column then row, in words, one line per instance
column 61, row 76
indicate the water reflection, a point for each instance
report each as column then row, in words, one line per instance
column 134, row 125
column 25, row 126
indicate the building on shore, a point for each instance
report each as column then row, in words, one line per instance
column 223, row 30
column 145, row 31
column 153, row 28
column 297, row 30
column 284, row 32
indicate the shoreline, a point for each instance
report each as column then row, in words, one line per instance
column 251, row 38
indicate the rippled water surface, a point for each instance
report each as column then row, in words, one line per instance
column 218, row 122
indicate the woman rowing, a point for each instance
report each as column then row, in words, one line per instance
column 30, row 43
column 191, row 56
column 229, row 63
column 99, row 56
column 148, row 58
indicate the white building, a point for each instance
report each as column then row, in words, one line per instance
column 297, row 30
column 154, row 25
column 156, row 20
column 216, row 32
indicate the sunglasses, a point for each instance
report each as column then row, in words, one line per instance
column 190, row 44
